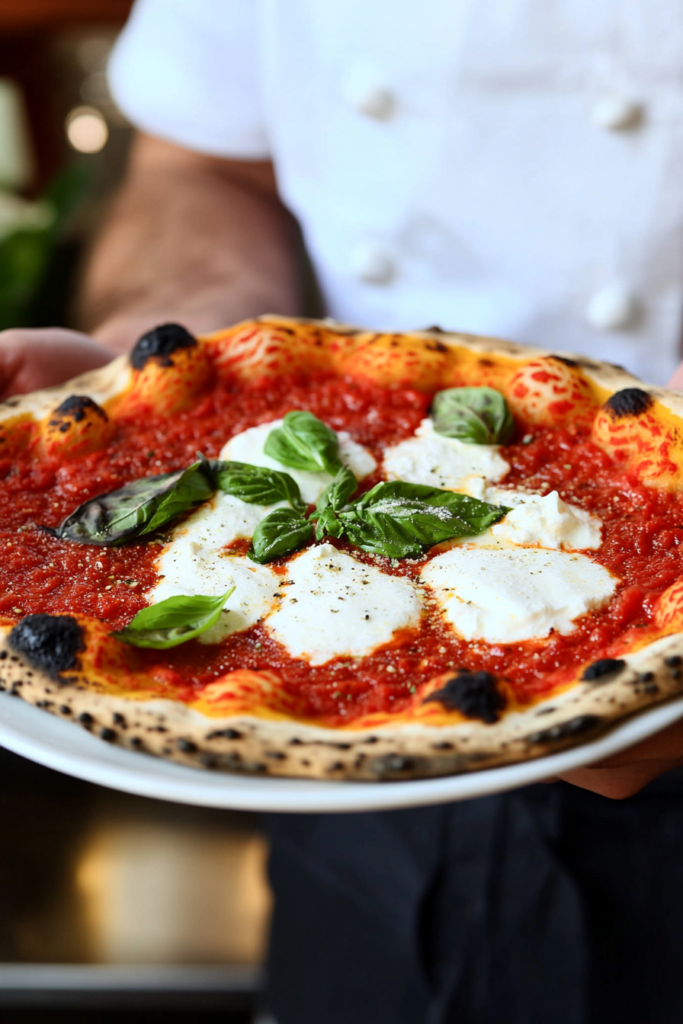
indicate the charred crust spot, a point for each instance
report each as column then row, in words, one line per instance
column 676, row 673
column 208, row 761
column 434, row 329
column 225, row 734
column 628, row 402
column 107, row 734
column 566, row 360
column 646, row 677
column 276, row 755
column 435, row 346
column 371, row 739
column 3, row 655
column 336, row 766
column 65, row 709
column 442, row 746
column 566, row 730
column 186, row 746
column 473, row 694
column 76, row 408
column 161, row 342
column 672, row 660
column 119, row 720
column 135, row 742
column 603, row 668
column 43, row 703
column 295, row 742
column 86, row 719
column 392, row 764
column 48, row 642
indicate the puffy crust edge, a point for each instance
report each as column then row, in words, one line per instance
column 253, row 745
column 288, row 748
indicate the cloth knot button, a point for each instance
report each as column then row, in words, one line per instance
column 365, row 92
column 612, row 308
column 372, row 263
column 616, row 113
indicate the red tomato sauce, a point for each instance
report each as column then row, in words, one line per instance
column 643, row 535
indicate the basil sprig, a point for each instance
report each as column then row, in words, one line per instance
column 333, row 498
column 304, row 442
column 473, row 415
column 402, row 520
column 396, row 519
column 137, row 508
column 173, row 621
column 280, row 533
column 256, row 484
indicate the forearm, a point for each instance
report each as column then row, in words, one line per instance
column 190, row 239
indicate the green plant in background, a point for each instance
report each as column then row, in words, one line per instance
column 30, row 233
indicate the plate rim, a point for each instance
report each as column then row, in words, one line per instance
column 45, row 739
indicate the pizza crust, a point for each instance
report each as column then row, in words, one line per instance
column 254, row 745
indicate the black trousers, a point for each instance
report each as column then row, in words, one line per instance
column 548, row 904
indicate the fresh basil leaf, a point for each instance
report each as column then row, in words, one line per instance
column 137, row 508
column 173, row 621
column 192, row 487
column 304, row 442
column 401, row 520
column 256, row 484
column 478, row 515
column 280, row 533
column 336, row 494
column 327, row 525
column 473, row 415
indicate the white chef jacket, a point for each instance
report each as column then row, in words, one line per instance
column 508, row 167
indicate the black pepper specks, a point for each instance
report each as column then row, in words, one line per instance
column 628, row 402
column 49, row 642
column 473, row 694
column 602, row 669
column 161, row 342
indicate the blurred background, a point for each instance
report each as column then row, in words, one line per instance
column 110, row 905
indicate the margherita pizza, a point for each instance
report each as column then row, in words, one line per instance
column 297, row 548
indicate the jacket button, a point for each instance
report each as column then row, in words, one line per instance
column 615, row 113
column 612, row 308
column 372, row 263
column 368, row 95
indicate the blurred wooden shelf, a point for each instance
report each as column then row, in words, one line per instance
column 35, row 15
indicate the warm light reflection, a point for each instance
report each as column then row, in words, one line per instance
column 86, row 129
column 155, row 893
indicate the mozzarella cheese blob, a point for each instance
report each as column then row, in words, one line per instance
column 549, row 523
column 334, row 605
column 429, row 458
column 508, row 594
column 248, row 447
column 196, row 562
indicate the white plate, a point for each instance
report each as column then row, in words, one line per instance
column 58, row 744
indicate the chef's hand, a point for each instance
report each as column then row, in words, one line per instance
column 627, row 773
column 38, row 358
